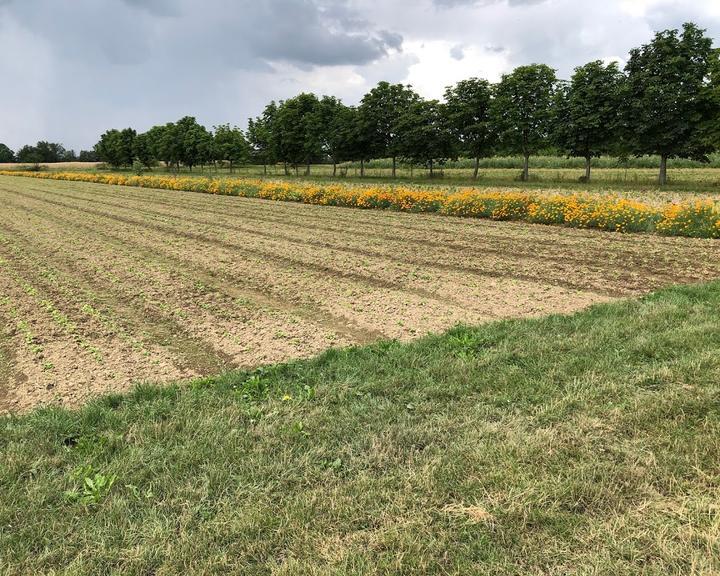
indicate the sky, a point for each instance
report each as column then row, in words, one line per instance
column 70, row 69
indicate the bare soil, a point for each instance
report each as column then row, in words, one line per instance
column 102, row 287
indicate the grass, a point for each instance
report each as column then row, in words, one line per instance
column 583, row 444
column 609, row 174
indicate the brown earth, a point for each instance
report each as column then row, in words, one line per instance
column 102, row 287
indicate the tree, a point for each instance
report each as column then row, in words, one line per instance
column 424, row 136
column 156, row 139
column 710, row 132
column 51, row 151
column 45, row 152
column 116, row 147
column 230, row 145
column 87, row 156
column 197, row 144
column 183, row 142
column 467, row 111
column 668, row 81
column 262, row 138
column 142, row 150
column 587, row 112
column 6, row 155
column 380, row 111
column 29, row 155
column 335, row 126
column 298, row 128
column 522, row 110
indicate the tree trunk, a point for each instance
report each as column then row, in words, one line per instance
column 334, row 168
column 287, row 172
column 431, row 168
column 588, row 167
column 477, row 167
column 526, row 168
column 264, row 169
column 663, row 170
column 231, row 167
column 362, row 168
column 393, row 166
column 307, row 168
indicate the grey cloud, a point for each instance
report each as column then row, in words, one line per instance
column 308, row 34
column 156, row 7
column 670, row 16
column 456, row 3
column 457, row 52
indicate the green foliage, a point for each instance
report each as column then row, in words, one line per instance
column 94, row 486
column 116, row 147
column 522, row 110
column 45, row 152
column 423, row 135
column 298, row 127
column 88, row 156
column 142, row 151
column 380, row 112
column 666, row 94
column 262, row 137
column 587, row 111
column 6, row 155
column 336, row 124
column 467, row 114
column 230, row 145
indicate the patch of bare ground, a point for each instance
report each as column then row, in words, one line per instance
column 162, row 285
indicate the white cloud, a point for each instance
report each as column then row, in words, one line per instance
column 436, row 68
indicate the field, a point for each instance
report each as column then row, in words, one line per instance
column 107, row 286
column 53, row 165
column 198, row 423
column 637, row 178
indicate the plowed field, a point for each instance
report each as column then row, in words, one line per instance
column 102, row 287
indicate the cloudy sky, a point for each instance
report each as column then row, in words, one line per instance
column 69, row 69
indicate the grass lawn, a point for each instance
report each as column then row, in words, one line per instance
column 583, row 444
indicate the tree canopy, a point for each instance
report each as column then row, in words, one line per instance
column 467, row 114
column 668, row 83
column 588, row 112
column 522, row 110
column 6, row 154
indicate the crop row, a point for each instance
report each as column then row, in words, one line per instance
column 697, row 218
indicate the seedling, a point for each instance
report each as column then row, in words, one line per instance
column 94, row 486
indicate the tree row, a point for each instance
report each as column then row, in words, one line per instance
column 665, row 102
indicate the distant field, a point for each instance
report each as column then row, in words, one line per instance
column 639, row 176
column 54, row 165
column 104, row 286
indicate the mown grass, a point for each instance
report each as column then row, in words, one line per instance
column 583, row 444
